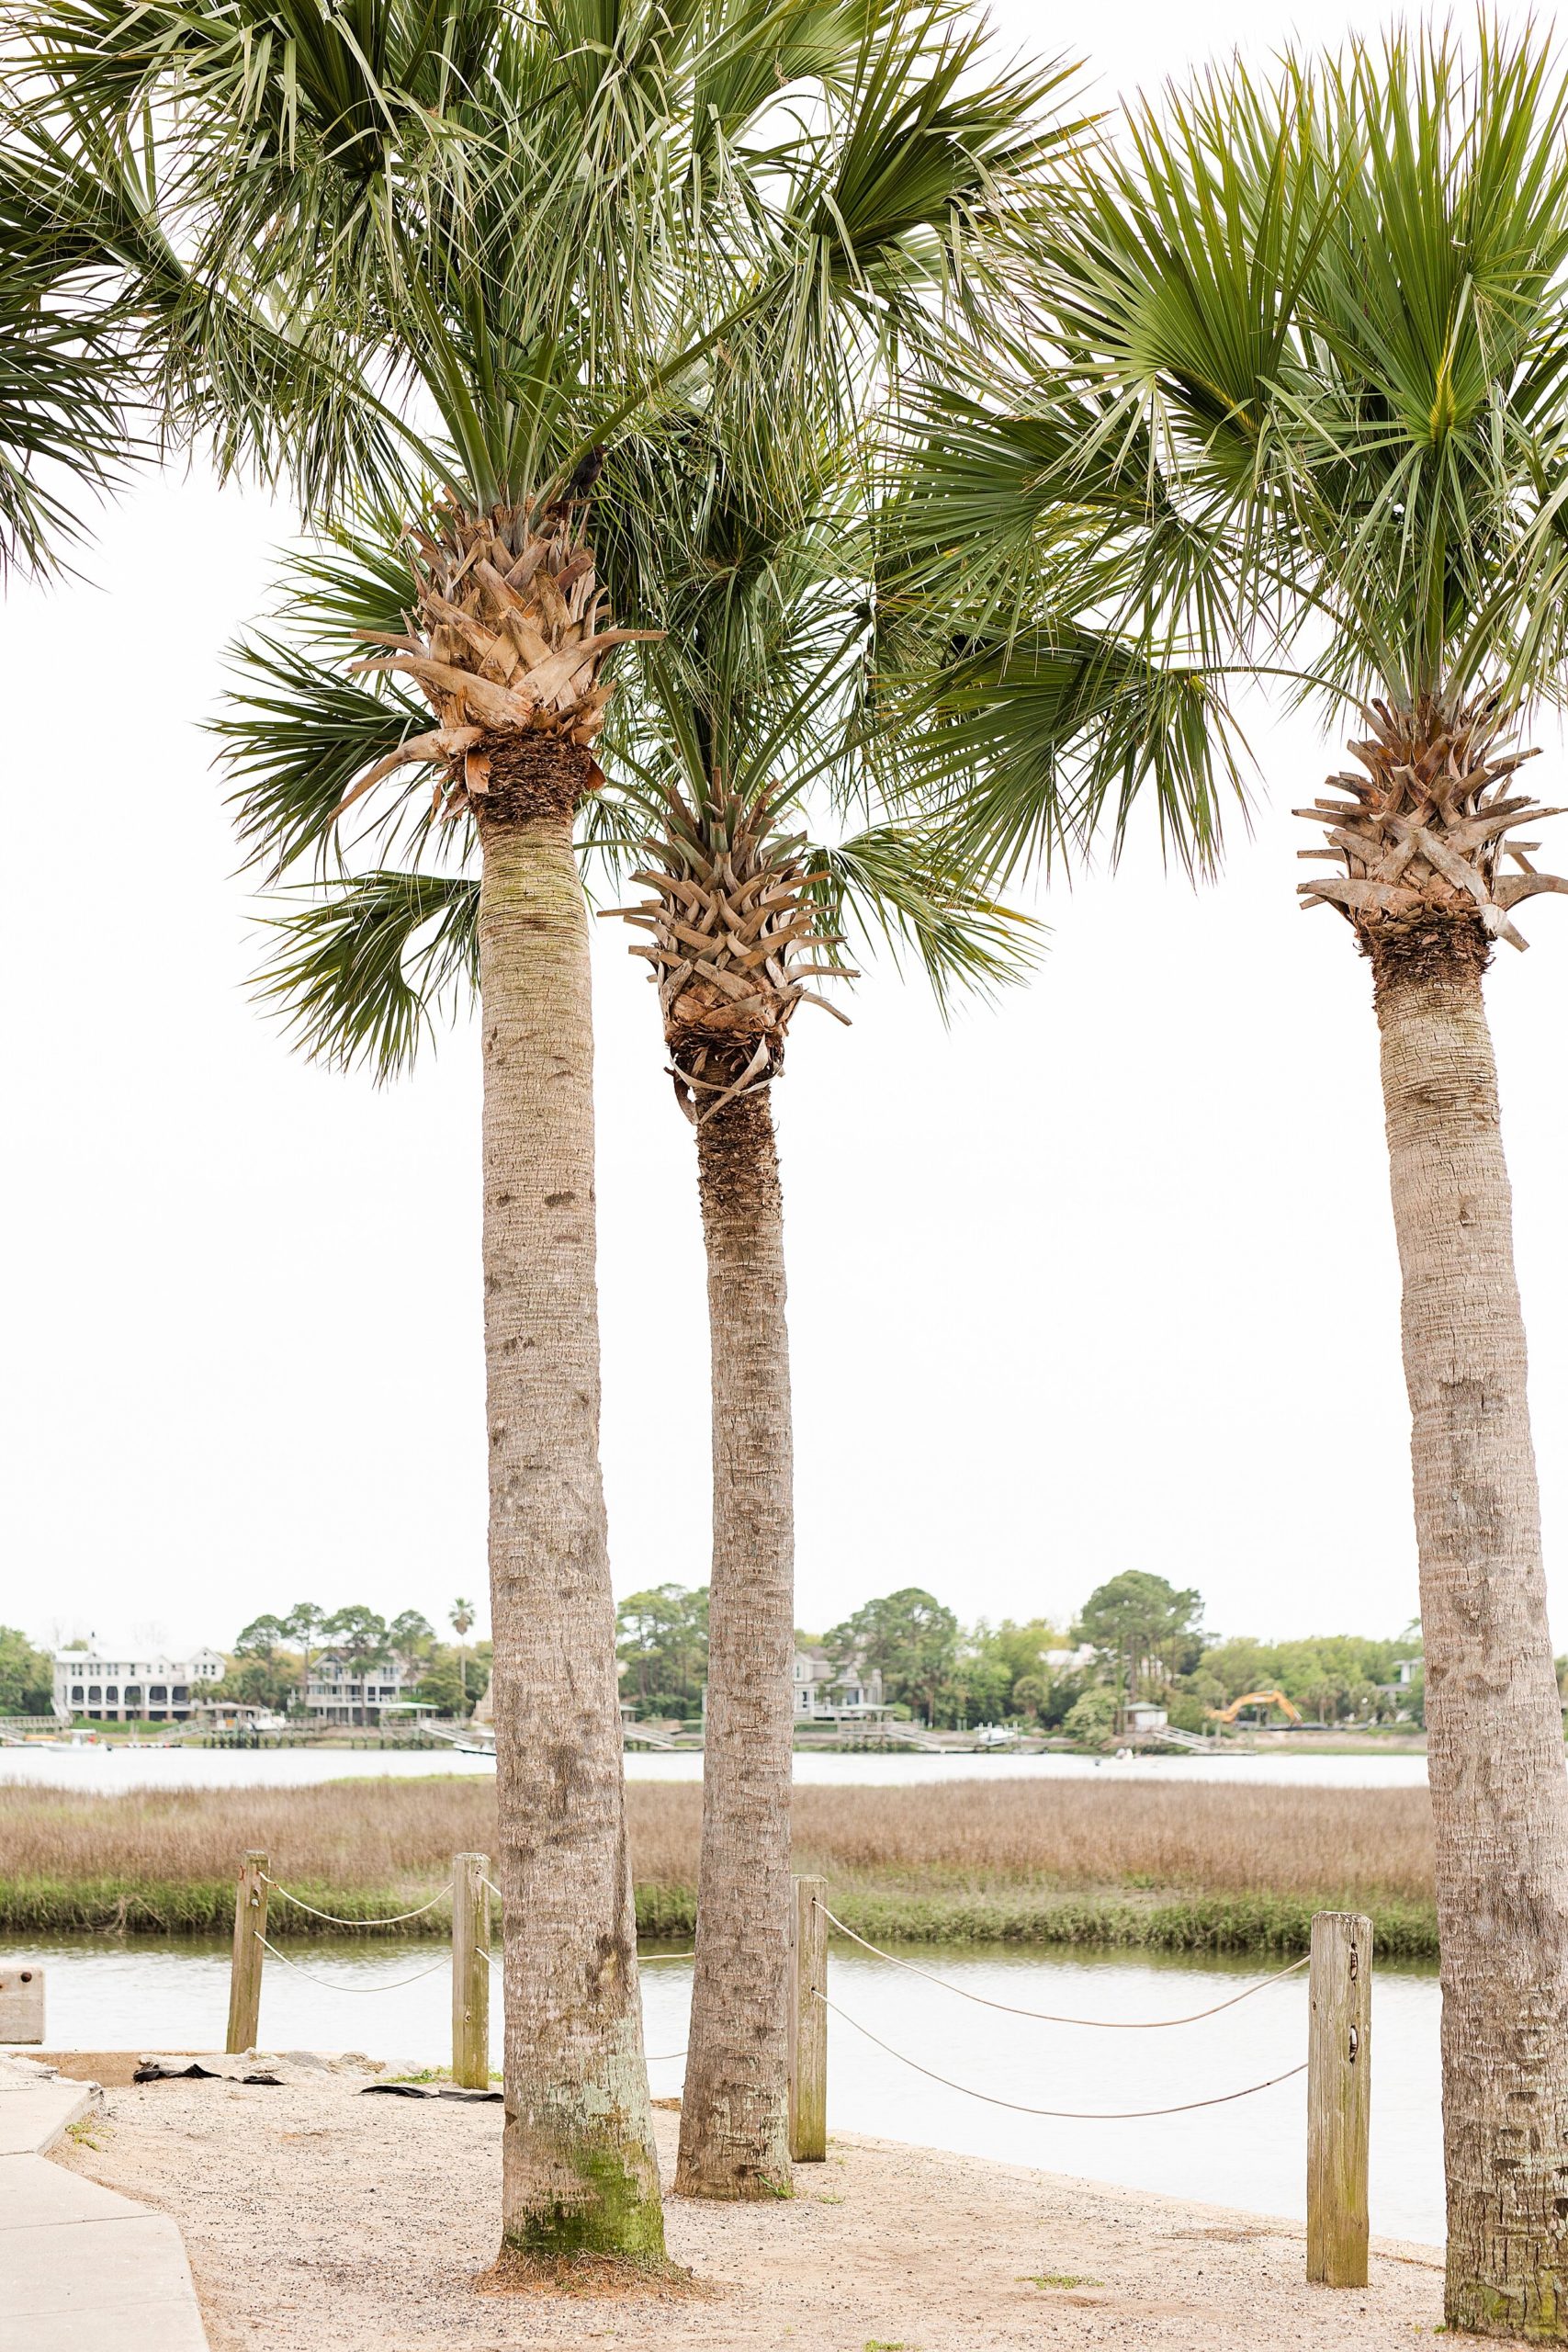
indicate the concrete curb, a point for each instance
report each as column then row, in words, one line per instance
column 80, row 2263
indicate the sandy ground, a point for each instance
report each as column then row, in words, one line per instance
column 321, row 2220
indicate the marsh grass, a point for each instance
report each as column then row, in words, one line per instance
column 1188, row 1868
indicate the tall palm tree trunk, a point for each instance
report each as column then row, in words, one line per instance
column 579, row 2173
column 1494, row 1727
column 735, row 2113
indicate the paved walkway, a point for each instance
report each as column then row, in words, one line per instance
column 81, row 2265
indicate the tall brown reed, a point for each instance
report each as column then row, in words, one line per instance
column 393, row 1837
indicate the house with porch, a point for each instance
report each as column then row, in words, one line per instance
column 831, row 1691
column 350, row 1690
column 118, row 1686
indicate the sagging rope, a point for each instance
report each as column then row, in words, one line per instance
column 644, row 1959
column 393, row 1919
column 1047, row 2017
column 1061, row 2114
column 336, row 1985
column 650, row 2057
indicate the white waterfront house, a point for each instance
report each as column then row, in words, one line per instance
column 118, row 1686
column 830, row 1690
column 339, row 1692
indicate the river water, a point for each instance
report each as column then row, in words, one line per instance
column 343, row 1995
column 108, row 1770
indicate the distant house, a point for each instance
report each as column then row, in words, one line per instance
column 340, row 1693
column 1144, row 1715
column 120, row 1688
column 827, row 1689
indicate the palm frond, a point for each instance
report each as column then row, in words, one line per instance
column 914, row 890
column 362, row 972
column 63, row 427
column 296, row 735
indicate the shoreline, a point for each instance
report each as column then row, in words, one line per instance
column 1167, row 1920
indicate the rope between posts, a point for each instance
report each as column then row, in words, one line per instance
column 644, row 1959
column 1061, row 2114
column 336, row 1983
column 1129, row 2025
column 394, row 1919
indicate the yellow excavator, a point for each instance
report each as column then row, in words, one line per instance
column 1255, row 1699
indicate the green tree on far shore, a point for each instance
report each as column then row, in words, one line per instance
column 26, row 1676
column 661, row 1642
column 1147, row 1627
column 911, row 1638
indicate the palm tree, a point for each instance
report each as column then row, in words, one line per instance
column 749, row 711
column 523, row 226
column 460, row 1617
column 303, row 1623
column 1313, row 335
column 489, row 214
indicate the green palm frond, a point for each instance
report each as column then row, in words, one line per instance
column 1328, row 315
column 364, row 968
column 1043, row 743
column 913, row 889
column 296, row 735
column 63, row 427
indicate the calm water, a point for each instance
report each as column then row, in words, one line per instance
column 111, row 1995
column 108, row 1770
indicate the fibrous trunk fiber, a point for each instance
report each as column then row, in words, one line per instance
column 735, row 2113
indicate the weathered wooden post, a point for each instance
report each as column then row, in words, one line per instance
column 808, row 2023
column 1339, row 2104
column 245, row 1976
column 470, row 1972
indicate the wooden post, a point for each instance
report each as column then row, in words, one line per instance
column 1338, row 2098
column 808, row 2023
column 470, row 1972
column 245, row 1976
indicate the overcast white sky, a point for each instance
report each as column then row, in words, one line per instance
column 1102, row 1280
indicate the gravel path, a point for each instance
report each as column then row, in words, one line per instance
column 321, row 2220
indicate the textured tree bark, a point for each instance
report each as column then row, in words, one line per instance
column 579, row 2172
column 1495, row 1728
column 735, row 2109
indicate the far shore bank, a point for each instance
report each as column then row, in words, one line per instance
column 1193, row 1869
column 343, row 1740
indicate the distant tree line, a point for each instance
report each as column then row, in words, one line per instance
column 1145, row 1635
column 273, row 1656
column 1136, row 1636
